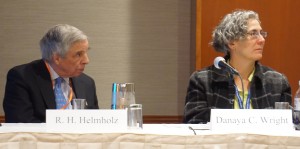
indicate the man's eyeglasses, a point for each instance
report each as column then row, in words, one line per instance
column 255, row 34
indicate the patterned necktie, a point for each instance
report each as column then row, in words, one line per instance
column 59, row 96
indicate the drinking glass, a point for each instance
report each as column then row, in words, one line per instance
column 78, row 103
column 135, row 116
column 282, row 105
column 125, row 95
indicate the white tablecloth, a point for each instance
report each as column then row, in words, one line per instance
column 153, row 136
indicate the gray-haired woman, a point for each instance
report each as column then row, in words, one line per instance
column 241, row 38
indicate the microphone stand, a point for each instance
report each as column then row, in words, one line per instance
column 220, row 62
column 240, row 77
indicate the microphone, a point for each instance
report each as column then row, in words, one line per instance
column 219, row 63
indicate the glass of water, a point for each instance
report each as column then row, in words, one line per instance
column 282, row 105
column 78, row 103
column 135, row 116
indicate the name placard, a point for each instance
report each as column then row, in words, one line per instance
column 86, row 121
column 251, row 120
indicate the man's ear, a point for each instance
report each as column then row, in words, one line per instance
column 56, row 58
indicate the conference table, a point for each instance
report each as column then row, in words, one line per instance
column 152, row 136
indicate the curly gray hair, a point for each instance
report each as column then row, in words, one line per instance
column 232, row 27
column 59, row 39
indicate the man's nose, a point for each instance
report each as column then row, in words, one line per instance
column 86, row 59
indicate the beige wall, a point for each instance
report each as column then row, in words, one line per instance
column 142, row 41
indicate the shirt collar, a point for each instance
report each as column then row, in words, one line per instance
column 54, row 75
column 251, row 75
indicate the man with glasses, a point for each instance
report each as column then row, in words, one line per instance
column 241, row 38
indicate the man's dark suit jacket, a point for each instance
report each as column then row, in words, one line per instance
column 29, row 92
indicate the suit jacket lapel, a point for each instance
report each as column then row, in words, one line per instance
column 78, row 88
column 45, row 84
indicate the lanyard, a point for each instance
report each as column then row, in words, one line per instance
column 240, row 101
column 71, row 90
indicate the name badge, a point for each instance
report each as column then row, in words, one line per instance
column 251, row 120
column 86, row 121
